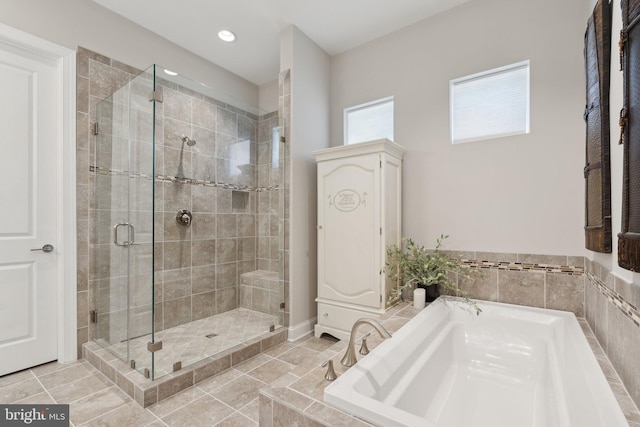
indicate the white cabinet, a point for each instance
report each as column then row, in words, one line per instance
column 359, row 215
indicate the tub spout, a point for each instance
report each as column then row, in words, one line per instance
column 349, row 358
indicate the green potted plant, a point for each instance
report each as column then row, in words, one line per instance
column 413, row 265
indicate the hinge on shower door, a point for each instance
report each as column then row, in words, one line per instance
column 155, row 96
column 154, row 346
column 93, row 316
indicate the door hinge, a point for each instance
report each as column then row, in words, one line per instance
column 155, row 96
column 380, row 164
column 380, row 298
column 282, row 305
column 283, row 139
column 381, row 231
column 154, row 346
column 94, row 316
column 94, row 128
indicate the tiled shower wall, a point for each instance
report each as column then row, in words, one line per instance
column 284, row 118
column 270, row 209
column 221, row 180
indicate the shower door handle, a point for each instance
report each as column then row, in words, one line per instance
column 131, row 234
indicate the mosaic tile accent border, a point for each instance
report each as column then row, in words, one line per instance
column 180, row 180
column 523, row 266
column 628, row 309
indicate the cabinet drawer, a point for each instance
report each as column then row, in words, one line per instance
column 341, row 318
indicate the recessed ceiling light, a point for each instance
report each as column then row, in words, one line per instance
column 226, row 35
column 171, row 73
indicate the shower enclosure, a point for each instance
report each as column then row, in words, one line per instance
column 187, row 233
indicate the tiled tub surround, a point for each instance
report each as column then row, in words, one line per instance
column 238, row 218
column 545, row 281
column 300, row 402
column 281, row 386
column 512, row 365
column 611, row 308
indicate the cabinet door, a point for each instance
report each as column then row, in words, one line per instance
column 349, row 230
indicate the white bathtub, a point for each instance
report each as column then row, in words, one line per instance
column 512, row 366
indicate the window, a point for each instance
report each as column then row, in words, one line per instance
column 490, row 104
column 370, row 121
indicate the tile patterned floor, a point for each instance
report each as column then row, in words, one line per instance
column 231, row 398
column 188, row 343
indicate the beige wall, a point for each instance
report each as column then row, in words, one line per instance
column 517, row 194
column 268, row 96
column 309, row 131
column 74, row 23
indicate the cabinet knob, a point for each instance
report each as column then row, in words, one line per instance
column 319, row 227
column 325, row 314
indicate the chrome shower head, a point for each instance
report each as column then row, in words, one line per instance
column 190, row 142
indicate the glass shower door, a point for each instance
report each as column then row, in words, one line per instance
column 122, row 234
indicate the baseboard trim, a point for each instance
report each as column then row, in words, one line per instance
column 301, row 329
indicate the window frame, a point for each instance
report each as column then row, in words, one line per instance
column 360, row 107
column 515, row 66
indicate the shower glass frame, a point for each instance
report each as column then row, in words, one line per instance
column 129, row 219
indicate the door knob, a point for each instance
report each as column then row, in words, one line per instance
column 46, row 248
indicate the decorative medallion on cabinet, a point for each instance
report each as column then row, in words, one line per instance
column 359, row 215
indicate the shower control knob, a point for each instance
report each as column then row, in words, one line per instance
column 183, row 218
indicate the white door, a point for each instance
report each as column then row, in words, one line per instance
column 28, row 194
column 349, row 230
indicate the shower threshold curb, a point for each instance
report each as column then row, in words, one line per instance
column 146, row 392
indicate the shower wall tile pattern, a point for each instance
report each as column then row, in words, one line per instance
column 284, row 118
column 197, row 269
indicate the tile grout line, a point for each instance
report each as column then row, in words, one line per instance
column 237, row 411
column 82, row 363
column 205, row 393
column 46, row 390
